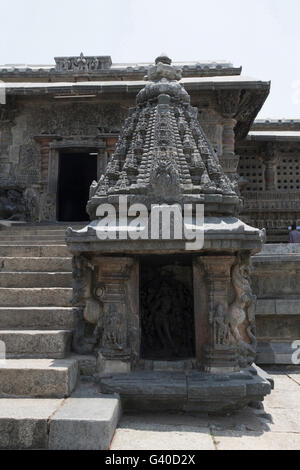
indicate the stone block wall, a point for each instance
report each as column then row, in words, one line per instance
column 276, row 282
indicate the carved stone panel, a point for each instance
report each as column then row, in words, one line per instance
column 116, row 289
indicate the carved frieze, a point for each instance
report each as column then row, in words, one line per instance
column 81, row 63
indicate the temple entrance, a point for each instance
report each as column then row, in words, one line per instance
column 167, row 308
column 75, row 175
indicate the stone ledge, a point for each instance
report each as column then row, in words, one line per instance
column 278, row 307
column 275, row 352
column 193, row 391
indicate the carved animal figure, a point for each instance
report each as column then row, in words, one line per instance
column 12, row 205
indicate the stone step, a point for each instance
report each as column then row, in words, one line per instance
column 38, row 279
column 36, row 343
column 32, row 242
column 24, row 422
column 45, row 378
column 37, row 297
column 40, row 228
column 34, row 250
column 37, row 318
column 29, row 237
column 26, row 232
column 40, row 225
column 42, row 264
column 85, row 421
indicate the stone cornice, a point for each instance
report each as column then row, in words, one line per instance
column 274, row 136
column 253, row 92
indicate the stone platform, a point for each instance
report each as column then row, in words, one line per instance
column 188, row 391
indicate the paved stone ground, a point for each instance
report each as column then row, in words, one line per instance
column 275, row 427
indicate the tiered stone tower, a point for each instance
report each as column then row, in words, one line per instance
column 162, row 154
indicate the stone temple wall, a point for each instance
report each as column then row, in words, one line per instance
column 276, row 282
column 271, row 186
column 34, row 129
column 31, row 128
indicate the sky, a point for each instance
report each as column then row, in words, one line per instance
column 262, row 36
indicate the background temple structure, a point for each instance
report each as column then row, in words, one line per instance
column 61, row 122
column 59, row 128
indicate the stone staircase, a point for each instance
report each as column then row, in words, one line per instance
column 36, row 324
column 36, row 318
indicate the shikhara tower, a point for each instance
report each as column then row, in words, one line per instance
column 148, row 308
column 162, row 154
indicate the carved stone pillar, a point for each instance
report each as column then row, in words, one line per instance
column 116, row 288
column 229, row 101
column 47, row 198
column 212, row 280
column 228, row 136
column 44, row 142
column 101, row 163
column 270, row 159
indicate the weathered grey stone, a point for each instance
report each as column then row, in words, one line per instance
column 45, row 378
column 23, row 422
column 36, row 343
column 33, row 251
column 37, row 317
column 34, row 280
column 86, row 421
column 275, row 352
column 43, row 297
column 193, row 391
column 38, row 264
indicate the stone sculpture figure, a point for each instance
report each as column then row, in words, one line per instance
column 241, row 312
column 115, row 335
column 221, row 327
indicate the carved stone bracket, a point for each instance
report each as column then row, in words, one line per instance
column 228, row 101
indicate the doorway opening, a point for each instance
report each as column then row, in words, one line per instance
column 167, row 308
column 75, row 175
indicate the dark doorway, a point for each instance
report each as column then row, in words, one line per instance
column 167, row 308
column 76, row 173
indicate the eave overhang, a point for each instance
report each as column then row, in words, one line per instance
column 253, row 93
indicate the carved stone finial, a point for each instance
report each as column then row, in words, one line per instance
column 163, row 69
column 164, row 59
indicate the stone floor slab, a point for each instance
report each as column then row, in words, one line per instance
column 231, row 440
column 148, row 433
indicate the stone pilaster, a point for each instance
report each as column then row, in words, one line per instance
column 270, row 159
column 212, row 277
column 229, row 101
column 116, row 288
column 45, row 149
